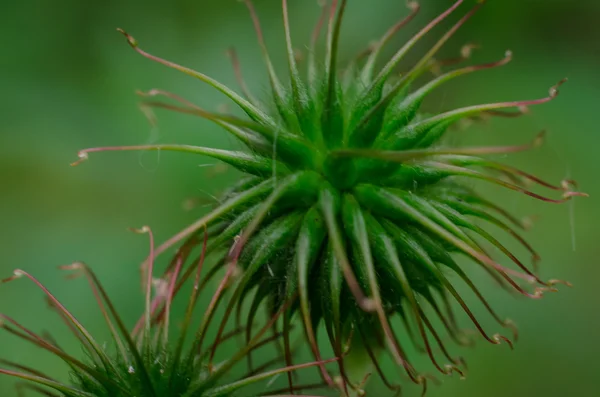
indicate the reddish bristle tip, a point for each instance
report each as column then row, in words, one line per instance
column 16, row 275
column 132, row 42
column 553, row 92
column 141, row 230
column 414, row 6
column 72, row 266
column 450, row 369
column 424, row 390
column 151, row 93
column 499, row 339
column 562, row 282
column 467, row 50
column 510, row 324
column 540, row 291
column 567, row 185
column 570, row 195
column 83, row 156
column 8, row 279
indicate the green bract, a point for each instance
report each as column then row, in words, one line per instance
column 352, row 209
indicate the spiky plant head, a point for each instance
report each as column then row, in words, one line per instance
column 146, row 362
column 352, row 209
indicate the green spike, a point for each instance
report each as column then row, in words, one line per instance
column 289, row 147
column 369, row 68
column 460, row 220
column 375, row 115
column 332, row 120
column 227, row 390
column 407, row 109
column 305, row 109
column 388, row 246
column 279, row 95
column 391, row 65
column 59, row 387
column 254, row 165
column 308, row 247
column 329, row 201
column 252, row 111
column 426, row 132
column 313, row 69
column 392, row 204
column 264, row 246
column 331, row 281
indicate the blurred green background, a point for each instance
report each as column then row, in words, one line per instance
column 68, row 82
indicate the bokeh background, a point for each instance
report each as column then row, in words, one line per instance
column 68, row 82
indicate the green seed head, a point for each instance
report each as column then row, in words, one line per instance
column 353, row 210
column 146, row 362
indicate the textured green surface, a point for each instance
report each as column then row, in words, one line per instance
column 69, row 83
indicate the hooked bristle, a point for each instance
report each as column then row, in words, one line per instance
column 132, row 42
